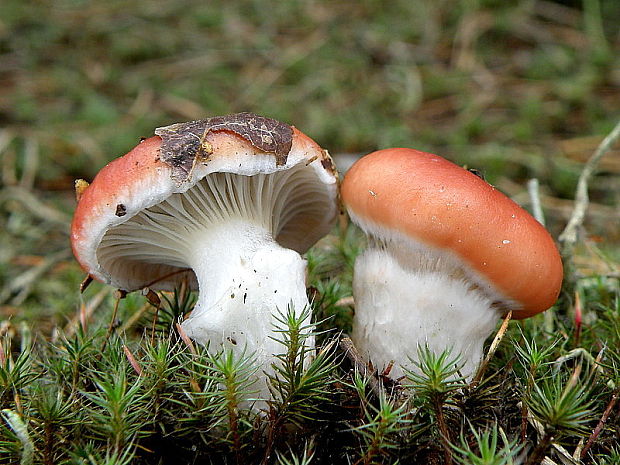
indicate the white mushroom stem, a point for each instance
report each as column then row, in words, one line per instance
column 245, row 279
column 414, row 300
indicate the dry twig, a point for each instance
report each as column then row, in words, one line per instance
column 494, row 345
column 533, row 188
column 601, row 424
column 568, row 238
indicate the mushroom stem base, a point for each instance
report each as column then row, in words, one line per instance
column 243, row 292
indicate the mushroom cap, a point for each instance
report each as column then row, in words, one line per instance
column 142, row 179
column 444, row 208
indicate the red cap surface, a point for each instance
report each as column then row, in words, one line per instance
column 445, row 207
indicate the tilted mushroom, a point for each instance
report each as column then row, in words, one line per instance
column 449, row 254
column 229, row 204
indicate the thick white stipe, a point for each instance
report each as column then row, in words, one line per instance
column 421, row 299
column 239, row 301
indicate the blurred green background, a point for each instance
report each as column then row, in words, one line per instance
column 517, row 89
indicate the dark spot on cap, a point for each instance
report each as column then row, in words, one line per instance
column 121, row 210
column 328, row 164
column 478, row 173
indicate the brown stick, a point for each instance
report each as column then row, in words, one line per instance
column 601, row 424
column 443, row 430
column 539, row 451
column 85, row 283
column 166, row 276
column 498, row 338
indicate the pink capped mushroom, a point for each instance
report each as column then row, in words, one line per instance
column 228, row 204
column 448, row 256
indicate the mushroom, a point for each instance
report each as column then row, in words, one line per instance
column 227, row 204
column 448, row 255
